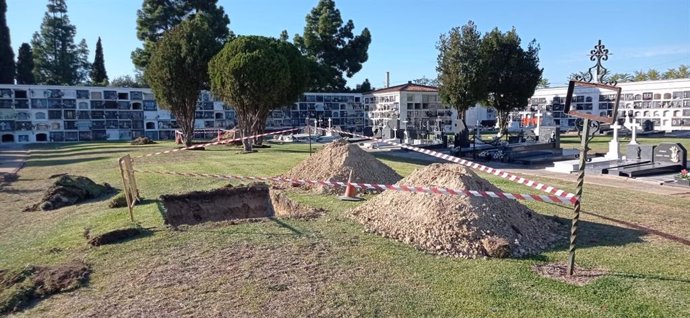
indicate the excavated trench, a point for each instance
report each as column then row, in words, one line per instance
column 256, row 200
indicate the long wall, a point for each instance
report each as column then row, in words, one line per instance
column 44, row 113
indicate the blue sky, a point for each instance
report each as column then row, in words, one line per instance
column 641, row 34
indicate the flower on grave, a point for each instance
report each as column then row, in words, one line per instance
column 684, row 174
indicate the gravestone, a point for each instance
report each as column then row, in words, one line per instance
column 671, row 153
column 550, row 134
column 640, row 152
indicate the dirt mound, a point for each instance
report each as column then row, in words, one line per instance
column 69, row 190
column 142, row 141
column 335, row 160
column 23, row 287
column 117, row 236
column 286, row 207
column 461, row 226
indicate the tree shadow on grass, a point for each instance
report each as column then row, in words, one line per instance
column 58, row 162
column 592, row 234
column 85, row 153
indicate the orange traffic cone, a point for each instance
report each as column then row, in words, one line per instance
column 350, row 191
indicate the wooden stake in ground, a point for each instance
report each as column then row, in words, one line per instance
column 129, row 186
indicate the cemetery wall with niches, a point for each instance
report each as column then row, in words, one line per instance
column 42, row 113
column 666, row 103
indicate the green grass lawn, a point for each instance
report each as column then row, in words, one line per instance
column 326, row 266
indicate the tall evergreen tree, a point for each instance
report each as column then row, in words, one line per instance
column 462, row 77
column 7, row 67
column 57, row 60
column 178, row 70
column 513, row 73
column 332, row 46
column 158, row 16
column 25, row 65
column 98, row 74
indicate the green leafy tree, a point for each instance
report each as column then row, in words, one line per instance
column 98, row 74
column 681, row 72
column 426, row 81
column 57, row 60
column 284, row 36
column 364, row 87
column 462, row 77
column 640, row 76
column 332, row 46
column 620, row 78
column 653, row 75
column 255, row 74
column 159, row 16
column 178, row 70
column 7, row 66
column 129, row 81
column 544, row 83
column 513, row 73
column 25, row 65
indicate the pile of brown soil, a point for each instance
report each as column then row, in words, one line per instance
column 142, row 141
column 22, row 288
column 460, row 226
column 286, row 207
column 117, row 236
column 69, row 190
column 335, row 161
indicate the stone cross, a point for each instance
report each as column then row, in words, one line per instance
column 614, row 149
column 633, row 127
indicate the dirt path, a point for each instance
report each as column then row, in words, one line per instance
column 12, row 159
column 609, row 181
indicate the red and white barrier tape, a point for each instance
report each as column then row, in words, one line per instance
column 220, row 142
column 474, row 165
column 393, row 187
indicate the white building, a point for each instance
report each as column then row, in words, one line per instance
column 415, row 109
column 665, row 103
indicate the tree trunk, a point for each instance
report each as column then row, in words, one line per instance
column 502, row 123
column 259, row 128
column 188, row 137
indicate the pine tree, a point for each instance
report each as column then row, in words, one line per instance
column 157, row 17
column 57, row 60
column 7, row 67
column 25, row 65
column 98, row 74
column 333, row 46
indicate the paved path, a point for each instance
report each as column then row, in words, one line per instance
column 648, row 185
column 12, row 158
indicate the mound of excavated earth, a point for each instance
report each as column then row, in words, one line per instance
column 70, row 190
column 335, row 160
column 460, row 226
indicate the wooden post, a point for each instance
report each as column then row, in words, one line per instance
column 136, row 197
column 124, row 172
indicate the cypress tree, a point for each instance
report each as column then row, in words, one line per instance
column 7, row 67
column 57, row 59
column 98, row 74
column 25, row 65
